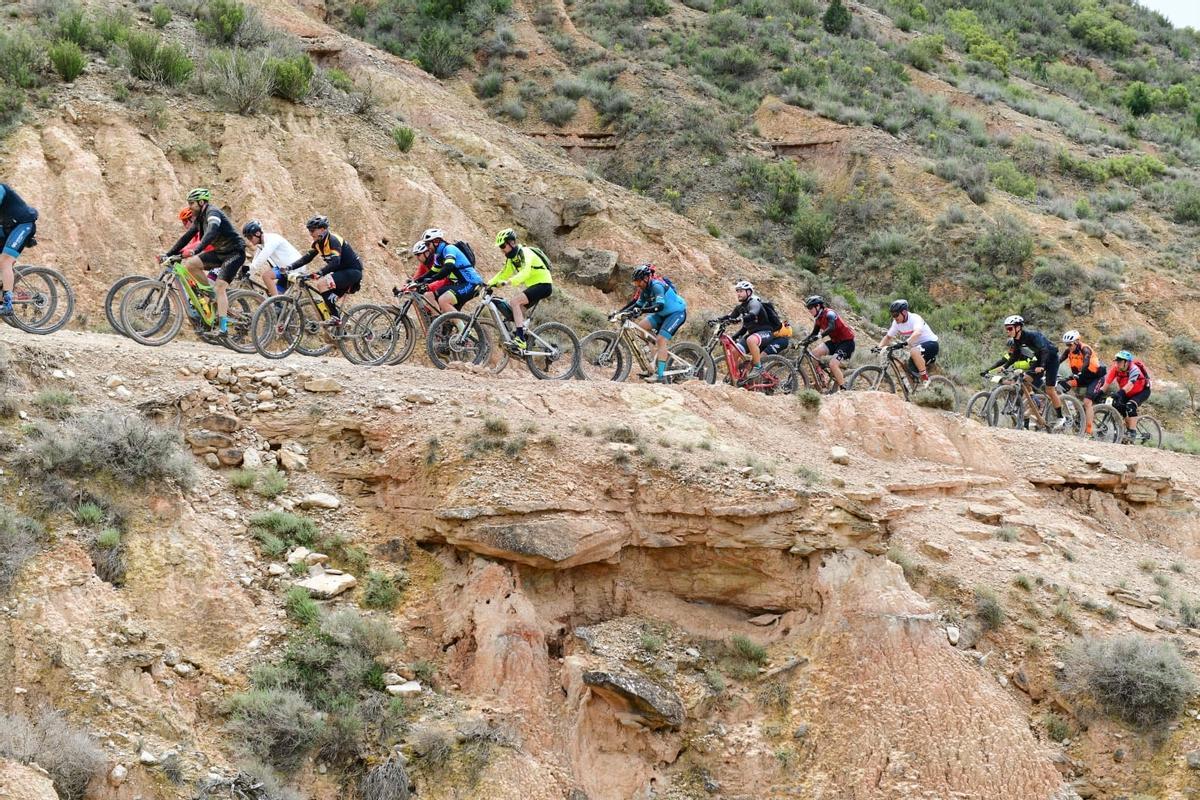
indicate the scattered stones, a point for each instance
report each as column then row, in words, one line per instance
column 1129, row 598
column 691, row 652
column 1141, row 621
column 147, row 758
column 119, row 773
column 952, row 635
column 183, row 669
column 298, row 555
column 252, row 459
column 985, row 514
column 313, row 559
column 392, row 678
column 211, row 460
column 1167, row 624
column 114, row 381
column 123, row 393
column 801, row 731
column 320, row 500
column 839, row 455
column 1117, row 467
column 420, row 398
column 322, row 385
column 276, row 570
column 328, row 585
column 1193, row 759
column 406, row 689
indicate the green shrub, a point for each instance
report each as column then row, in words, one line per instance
column 924, row 52
column 386, row 781
column 67, row 59
column 1187, row 348
column 277, row 726
column 112, row 27
column 1097, row 29
column 89, row 514
column 441, row 50
column 1135, row 338
column 289, row 529
column 1056, row 727
column 292, row 76
column 339, row 79
column 108, row 538
column 404, row 137
column 935, row 396
column 513, row 110
column 222, row 21
column 1138, row 99
column 69, row 755
column 54, row 402
column 380, row 591
column 837, row 18
column 151, row 59
column 1007, row 177
column 1139, row 681
column 748, row 650
column 160, row 15
column 300, row 607
column 810, row 399
column 489, row 84
column 1005, row 243
column 20, row 540
column 558, row 111
column 20, row 59
column 1184, row 197
column 241, row 80
column 271, row 483
column 12, row 101
column 903, row 559
column 811, row 229
column 988, row 610
column 242, row 478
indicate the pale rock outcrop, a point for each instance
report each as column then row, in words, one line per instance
column 25, row 782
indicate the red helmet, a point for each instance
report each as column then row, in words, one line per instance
column 185, row 214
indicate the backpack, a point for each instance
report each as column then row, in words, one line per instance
column 773, row 317
column 466, row 251
column 540, row 254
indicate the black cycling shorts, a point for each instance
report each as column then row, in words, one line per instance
column 929, row 352
column 1049, row 373
column 774, row 345
column 538, row 292
column 230, row 263
column 346, row 281
column 1128, row 406
column 842, row 351
column 462, row 292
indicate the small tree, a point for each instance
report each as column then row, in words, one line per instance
column 837, row 18
column 1138, row 99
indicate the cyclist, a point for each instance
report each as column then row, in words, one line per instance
column 913, row 329
column 343, row 270
column 423, row 254
column 523, row 266
column 272, row 253
column 1133, row 388
column 227, row 249
column 1087, row 373
column 449, row 261
column 18, row 224
column 1045, row 354
column 667, row 312
column 757, row 336
column 1016, row 357
column 828, row 325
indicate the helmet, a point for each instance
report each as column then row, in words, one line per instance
column 252, row 227
column 419, row 247
column 1015, row 319
column 1070, row 336
column 185, row 214
column 814, row 300
column 199, row 195
column 1123, row 355
column 433, row 234
column 317, row 221
column 897, row 306
column 743, row 286
column 506, row 235
column 643, row 273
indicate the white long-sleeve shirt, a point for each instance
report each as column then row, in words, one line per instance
column 276, row 251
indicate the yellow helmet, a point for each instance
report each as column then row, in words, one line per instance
column 508, row 234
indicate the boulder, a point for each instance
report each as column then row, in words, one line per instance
column 576, row 209
column 638, row 698
column 322, row 385
column 320, row 500
column 252, row 459
column 25, row 782
column 291, row 461
column 299, row 555
column 839, row 455
column 202, row 441
column 406, row 689
column 590, row 266
column 224, row 423
column 230, row 456
column 328, row 585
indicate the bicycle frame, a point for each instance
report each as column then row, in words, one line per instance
column 425, row 310
column 635, row 337
column 192, row 291
column 820, row 369
column 489, row 302
column 1025, row 381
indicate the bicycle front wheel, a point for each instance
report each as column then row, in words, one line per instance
column 871, row 378
column 690, row 362
column 603, row 357
column 977, row 406
column 1149, row 432
column 780, row 374
column 276, row 327
column 403, row 335
column 453, row 338
column 1006, row 408
column 151, row 312
column 112, row 300
column 364, row 335
column 1107, row 424
column 242, row 305
column 1072, row 417
column 43, row 301
column 552, row 352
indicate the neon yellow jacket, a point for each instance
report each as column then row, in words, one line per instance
column 525, row 268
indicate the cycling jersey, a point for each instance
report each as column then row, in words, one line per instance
column 216, row 230
column 829, row 323
column 1082, row 359
column 338, row 254
column 914, row 324
column 276, row 251
column 753, row 317
column 190, row 248
column 13, row 210
column 660, row 298
column 1045, row 352
column 1134, row 380
column 524, row 268
column 450, row 262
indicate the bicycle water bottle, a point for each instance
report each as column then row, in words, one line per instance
column 324, row 309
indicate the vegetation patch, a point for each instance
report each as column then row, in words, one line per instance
column 1141, row 682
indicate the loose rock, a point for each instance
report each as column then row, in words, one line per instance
column 322, row 385
column 320, row 500
column 839, row 455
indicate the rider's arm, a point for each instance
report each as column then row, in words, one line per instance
column 505, row 273
column 524, row 263
column 657, row 300
column 304, row 259
column 214, row 228
column 334, row 260
column 183, row 240
column 260, row 257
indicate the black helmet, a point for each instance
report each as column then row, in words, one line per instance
column 814, row 300
column 317, row 221
column 643, row 273
column 897, row 306
column 251, row 228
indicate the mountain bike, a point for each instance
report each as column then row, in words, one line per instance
column 153, row 309
column 112, row 300
column 814, row 372
column 894, row 375
column 610, row 355
column 1109, row 426
column 1015, row 404
column 43, row 301
column 300, row 320
column 778, row 376
column 551, row 352
column 412, row 316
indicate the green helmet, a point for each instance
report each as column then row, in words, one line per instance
column 506, row 235
column 199, row 195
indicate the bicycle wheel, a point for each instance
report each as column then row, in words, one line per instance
column 112, row 300
column 1072, row 417
column 871, row 378
column 1149, row 432
column 1107, row 424
column 403, row 334
column 977, row 407
column 946, row 385
column 1006, row 408
column 781, row 375
column 363, row 335
column 277, row 326
column 695, row 363
column 151, row 312
column 552, row 352
column 452, row 338
column 242, row 305
column 43, row 301
column 603, row 357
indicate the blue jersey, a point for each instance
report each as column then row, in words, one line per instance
column 659, row 293
column 13, row 210
column 450, row 262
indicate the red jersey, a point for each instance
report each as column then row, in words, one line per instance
column 828, row 323
column 1132, row 381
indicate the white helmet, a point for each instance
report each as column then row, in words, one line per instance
column 419, row 247
column 1070, row 336
column 1015, row 319
column 433, row 233
column 743, row 285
